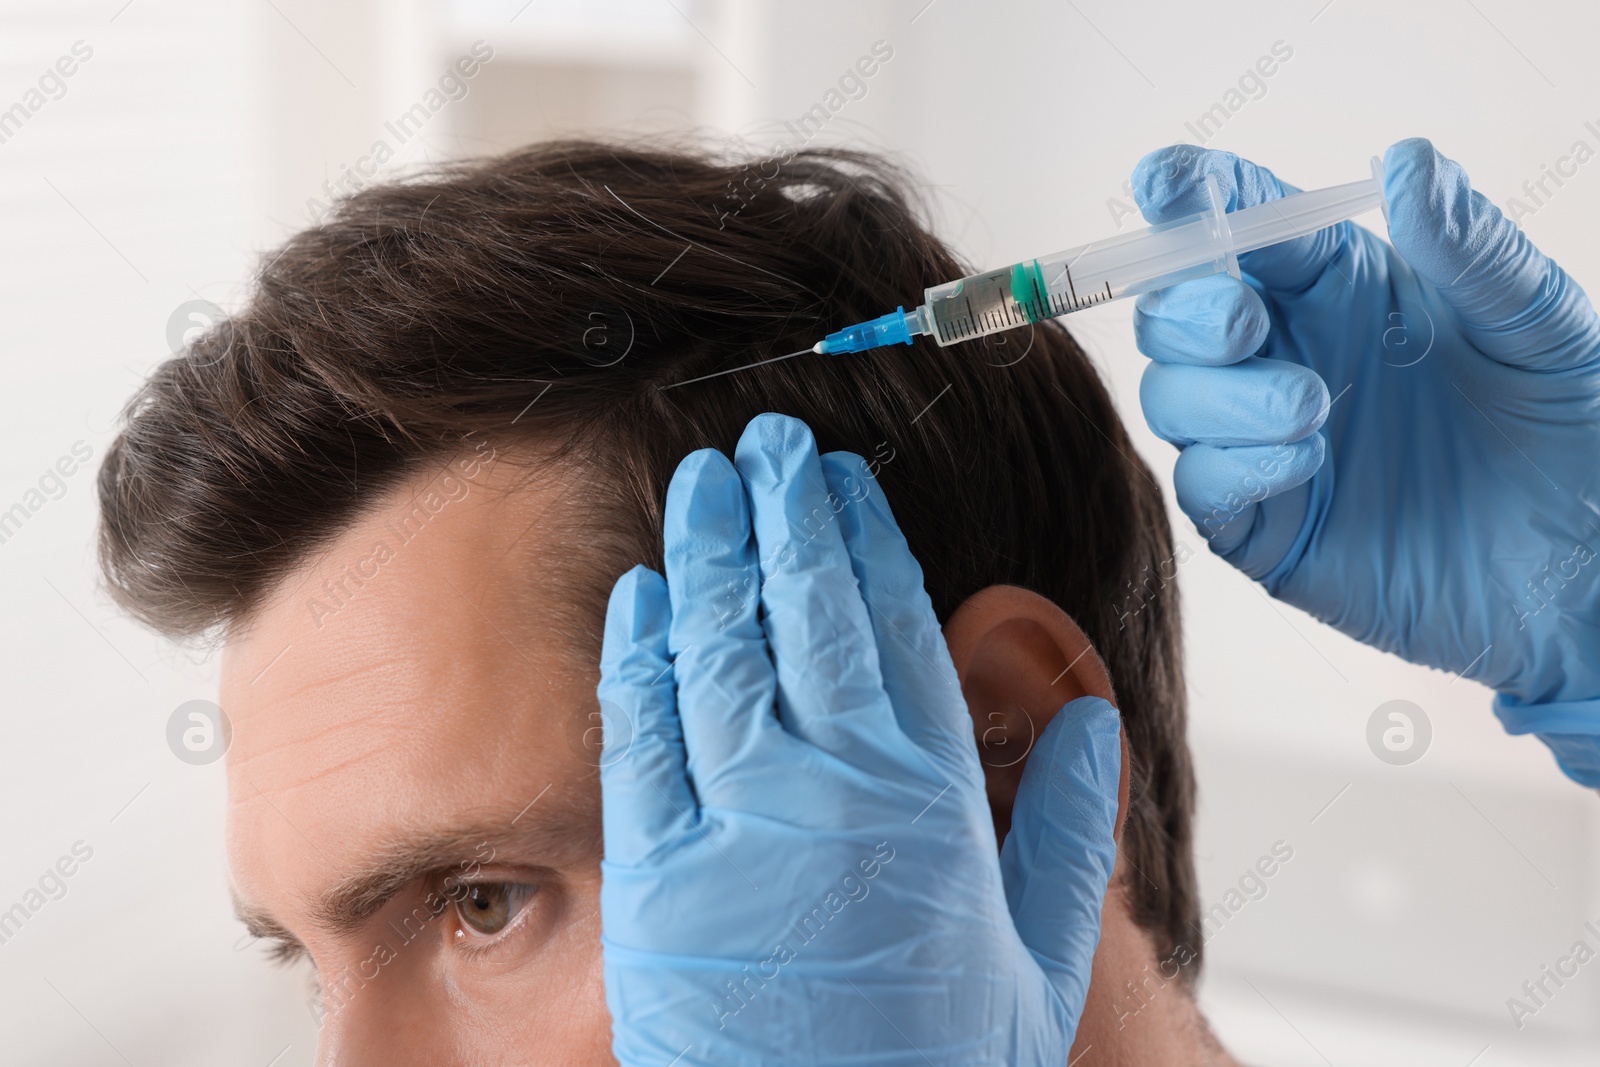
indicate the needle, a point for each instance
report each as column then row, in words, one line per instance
column 747, row 366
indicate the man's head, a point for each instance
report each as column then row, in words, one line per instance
column 402, row 480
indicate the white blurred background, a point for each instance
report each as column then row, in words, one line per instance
column 1419, row 898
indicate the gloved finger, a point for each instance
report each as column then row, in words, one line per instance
column 830, row 691
column 720, row 662
column 1170, row 183
column 1254, row 402
column 1059, row 856
column 1516, row 304
column 918, row 675
column 1219, row 488
column 1209, row 321
column 644, row 784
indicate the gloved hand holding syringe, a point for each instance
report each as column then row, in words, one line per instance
column 1208, row 242
column 1447, row 511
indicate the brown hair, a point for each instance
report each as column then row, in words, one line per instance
column 552, row 293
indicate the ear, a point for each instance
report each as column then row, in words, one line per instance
column 1021, row 659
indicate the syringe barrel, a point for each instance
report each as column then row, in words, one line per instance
column 1134, row 263
column 1075, row 279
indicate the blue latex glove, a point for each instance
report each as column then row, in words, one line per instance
column 1447, row 510
column 800, row 861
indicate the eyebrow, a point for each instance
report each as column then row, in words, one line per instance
column 559, row 838
column 285, row 948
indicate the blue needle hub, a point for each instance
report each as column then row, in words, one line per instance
column 887, row 329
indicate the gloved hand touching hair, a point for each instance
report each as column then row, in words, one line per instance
column 800, row 864
column 1402, row 440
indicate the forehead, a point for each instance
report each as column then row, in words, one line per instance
column 420, row 667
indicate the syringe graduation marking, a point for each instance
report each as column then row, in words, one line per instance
column 1077, row 303
column 1035, row 313
column 1012, row 312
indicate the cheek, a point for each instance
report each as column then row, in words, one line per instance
column 554, row 1003
column 590, row 1033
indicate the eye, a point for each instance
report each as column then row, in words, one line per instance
column 487, row 908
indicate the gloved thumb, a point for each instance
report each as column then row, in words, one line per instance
column 1060, row 853
column 1516, row 305
column 1170, row 183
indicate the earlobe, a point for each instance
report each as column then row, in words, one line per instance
column 1021, row 659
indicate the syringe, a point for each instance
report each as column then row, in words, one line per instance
column 1126, row 265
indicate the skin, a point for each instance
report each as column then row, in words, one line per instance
column 419, row 728
column 1021, row 659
